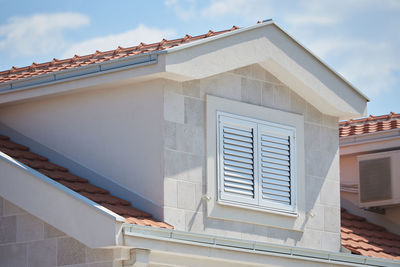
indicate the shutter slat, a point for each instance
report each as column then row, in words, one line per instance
column 275, row 166
column 238, row 132
column 239, row 191
column 275, row 145
column 238, row 180
column 275, row 139
column 275, row 161
column 238, row 154
column 275, row 171
column 238, row 159
column 239, row 164
column 236, row 169
column 275, row 156
column 276, row 187
column 275, row 150
column 274, row 176
column 238, row 148
column 238, row 143
column 279, row 199
column 275, row 181
column 238, row 175
column 238, row 137
column 238, row 185
column 275, row 192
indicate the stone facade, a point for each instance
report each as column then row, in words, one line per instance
column 26, row 241
column 184, row 159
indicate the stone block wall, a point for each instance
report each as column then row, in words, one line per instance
column 184, row 159
column 26, row 241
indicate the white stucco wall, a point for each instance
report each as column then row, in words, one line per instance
column 25, row 240
column 114, row 131
column 185, row 167
column 150, row 138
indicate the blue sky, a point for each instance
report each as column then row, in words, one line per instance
column 360, row 39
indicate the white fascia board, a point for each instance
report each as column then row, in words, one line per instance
column 57, row 205
column 223, row 249
column 101, row 75
column 266, row 44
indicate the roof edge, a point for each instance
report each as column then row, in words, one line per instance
column 81, row 72
column 254, row 247
column 56, row 204
column 62, row 188
column 266, row 23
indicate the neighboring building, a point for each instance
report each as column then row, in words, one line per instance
column 219, row 149
column 370, row 185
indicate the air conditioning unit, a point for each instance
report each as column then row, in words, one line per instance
column 379, row 179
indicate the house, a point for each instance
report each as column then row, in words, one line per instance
column 370, row 185
column 211, row 150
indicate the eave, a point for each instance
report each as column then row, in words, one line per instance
column 161, row 246
column 265, row 44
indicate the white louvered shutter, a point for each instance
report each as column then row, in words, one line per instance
column 237, row 157
column 276, row 152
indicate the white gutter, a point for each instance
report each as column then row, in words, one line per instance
column 253, row 247
column 81, row 72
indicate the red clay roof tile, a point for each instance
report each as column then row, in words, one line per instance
column 364, row 238
column 370, row 124
column 78, row 184
column 36, row 69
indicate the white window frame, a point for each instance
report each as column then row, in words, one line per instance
column 232, row 211
column 258, row 126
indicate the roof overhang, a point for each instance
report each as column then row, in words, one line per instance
column 271, row 47
column 265, row 44
column 164, row 247
column 57, row 205
column 368, row 142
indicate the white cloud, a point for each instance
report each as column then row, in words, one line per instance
column 38, row 34
column 311, row 19
column 183, row 9
column 338, row 32
column 125, row 39
column 249, row 10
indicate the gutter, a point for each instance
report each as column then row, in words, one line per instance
column 253, row 247
column 81, row 72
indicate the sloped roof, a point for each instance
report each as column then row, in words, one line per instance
column 370, row 124
column 55, row 65
column 78, row 184
column 367, row 239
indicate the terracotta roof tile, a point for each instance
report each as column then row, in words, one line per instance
column 78, row 184
column 55, row 65
column 370, row 124
column 364, row 238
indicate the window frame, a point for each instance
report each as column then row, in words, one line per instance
column 275, row 129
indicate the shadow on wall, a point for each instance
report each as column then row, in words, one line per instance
column 321, row 171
